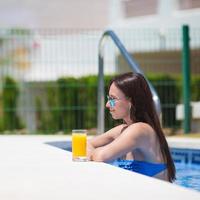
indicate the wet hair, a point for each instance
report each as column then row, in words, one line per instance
column 135, row 87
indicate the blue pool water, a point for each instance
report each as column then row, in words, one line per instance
column 187, row 162
column 188, row 175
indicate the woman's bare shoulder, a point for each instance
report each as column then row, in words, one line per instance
column 141, row 133
column 140, row 129
column 142, row 126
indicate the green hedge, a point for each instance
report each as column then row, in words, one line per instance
column 168, row 89
column 9, row 103
column 195, row 88
column 78, row 101
column 72, row 102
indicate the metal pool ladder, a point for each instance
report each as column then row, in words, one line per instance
column 133, row 65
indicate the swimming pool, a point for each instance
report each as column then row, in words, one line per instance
column 187, row 162
column 188, row 175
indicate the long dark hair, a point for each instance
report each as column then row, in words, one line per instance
column 135, row 87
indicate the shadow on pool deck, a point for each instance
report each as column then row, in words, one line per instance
column 65, row 145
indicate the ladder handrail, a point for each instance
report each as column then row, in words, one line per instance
column 133, row 65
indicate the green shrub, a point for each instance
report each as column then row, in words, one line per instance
column 87, row 99
column 1, row 125
column 168, row 90
column 72, row 102
column 195, row 88
column 67, row 99
column 9, row 97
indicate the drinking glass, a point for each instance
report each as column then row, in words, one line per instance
column 79, row 145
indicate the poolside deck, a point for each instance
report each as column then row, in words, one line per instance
column 184, row 142
column 31, row 169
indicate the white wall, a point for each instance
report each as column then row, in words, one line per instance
column 168, row 15
column 54, row 14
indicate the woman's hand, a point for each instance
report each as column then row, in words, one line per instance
column 90, row 150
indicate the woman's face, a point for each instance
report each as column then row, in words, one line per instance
column 118, row 104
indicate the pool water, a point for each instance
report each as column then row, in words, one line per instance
column 188, row 175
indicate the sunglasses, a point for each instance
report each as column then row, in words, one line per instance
column 112, row 100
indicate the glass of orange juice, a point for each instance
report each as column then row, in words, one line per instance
column 79, row 145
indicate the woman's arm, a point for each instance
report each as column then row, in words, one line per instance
column 131, row 138
column 106, row 137
column 102, row 140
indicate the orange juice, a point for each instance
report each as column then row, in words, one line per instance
column 79, row 143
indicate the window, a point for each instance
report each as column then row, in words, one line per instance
column 139, row 7
column 188, row 4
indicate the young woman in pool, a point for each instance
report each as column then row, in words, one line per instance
column 138, row 144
